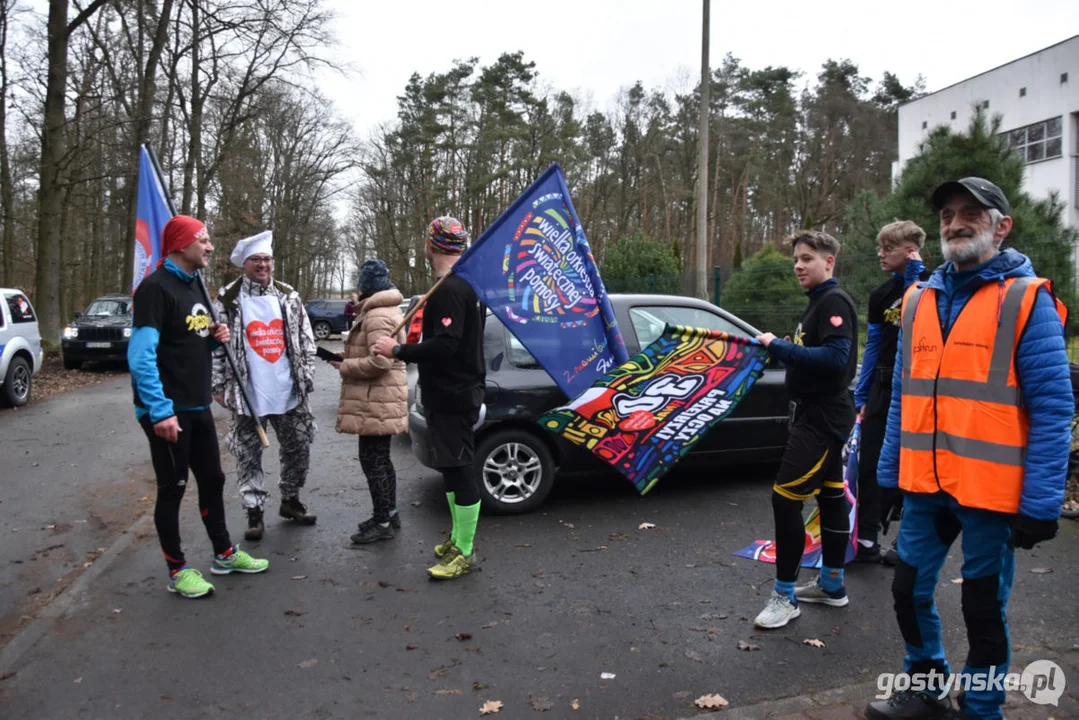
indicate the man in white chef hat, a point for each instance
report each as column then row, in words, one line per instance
column 275, row 360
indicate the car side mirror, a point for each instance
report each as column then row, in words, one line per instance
column 78, row 315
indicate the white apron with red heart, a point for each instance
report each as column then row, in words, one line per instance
column 269, row 375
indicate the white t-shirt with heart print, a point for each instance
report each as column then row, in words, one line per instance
column 269, row 374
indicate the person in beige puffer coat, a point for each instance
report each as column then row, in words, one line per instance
column 374, row 397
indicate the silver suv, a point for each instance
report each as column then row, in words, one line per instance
column 20, row 347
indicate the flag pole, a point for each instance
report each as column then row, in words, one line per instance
column 210, row 309
column 417, row 306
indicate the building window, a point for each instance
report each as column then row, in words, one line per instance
column 953, row 114
column 1063, row 78
column 1040, row 141
column 924, row 124
column 1022, row 92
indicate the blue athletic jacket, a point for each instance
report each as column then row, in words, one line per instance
column 1044, row 381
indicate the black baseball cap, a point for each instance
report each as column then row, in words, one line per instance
column 983, row 191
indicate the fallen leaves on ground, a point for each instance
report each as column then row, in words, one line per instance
column 694, row 656
column 1041, row 571
column 463, row 636
column 711, row 702
column 541, row 704
column 606, row 676
column 743, row 645
column 493, row 623
column 646, row 526
column 299, row 577
column 383, row 584
column 309, row 663
column 491, row 707
column 957, row 581
column 814, row 642
column 294, row 613
column 447, row 692
column 576, row 704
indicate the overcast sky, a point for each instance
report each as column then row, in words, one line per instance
column 596, row 47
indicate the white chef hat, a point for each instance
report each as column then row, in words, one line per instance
column 254, row 245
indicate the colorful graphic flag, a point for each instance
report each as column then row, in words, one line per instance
column 534, row 269
column 765, row 550
column 647, row 413
column 152, row 214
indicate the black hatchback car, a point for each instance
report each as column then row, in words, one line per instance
column 516, row 459
column 100, row 333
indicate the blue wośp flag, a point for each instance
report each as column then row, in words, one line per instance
column 534, row 269
column 152, row 214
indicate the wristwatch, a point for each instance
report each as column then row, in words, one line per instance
column 396, row 350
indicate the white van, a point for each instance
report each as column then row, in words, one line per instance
column 20, row 347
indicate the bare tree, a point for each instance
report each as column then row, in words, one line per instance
column 51, row 178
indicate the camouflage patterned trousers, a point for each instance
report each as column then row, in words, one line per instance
column 295, row 431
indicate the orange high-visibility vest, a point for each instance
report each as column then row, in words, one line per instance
column 964, row 428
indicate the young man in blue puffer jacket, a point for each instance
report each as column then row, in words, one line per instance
column 1028, row 379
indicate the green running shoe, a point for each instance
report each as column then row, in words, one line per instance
column 238, row 561
column 190, row 584
column 453, row 566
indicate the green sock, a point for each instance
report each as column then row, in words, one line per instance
column 468, row 516
column 451, row 497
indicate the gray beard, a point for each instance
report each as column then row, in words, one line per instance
column 977, row 246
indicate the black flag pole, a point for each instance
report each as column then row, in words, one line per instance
column 210, row 309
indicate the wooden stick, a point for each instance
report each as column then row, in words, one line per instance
column 418, row 305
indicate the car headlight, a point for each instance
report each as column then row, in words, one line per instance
column 127, row 332
column 70, row 333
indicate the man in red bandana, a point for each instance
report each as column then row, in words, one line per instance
column 172, row 337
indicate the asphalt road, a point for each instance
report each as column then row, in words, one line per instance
column 567, row 594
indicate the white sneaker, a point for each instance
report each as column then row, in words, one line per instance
column 814, row 592
column 778, row 612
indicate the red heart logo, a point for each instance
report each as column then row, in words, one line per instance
column 446, row 322
column 836, row 320
column 637, row 421
column 267, row 340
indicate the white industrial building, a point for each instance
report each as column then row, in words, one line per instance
column 1038, row 98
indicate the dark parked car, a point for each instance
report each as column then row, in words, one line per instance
column 516, row 460
column 99, row 333
column 327, row 317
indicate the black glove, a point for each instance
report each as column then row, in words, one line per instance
column 1028, row 532
column 891, row 507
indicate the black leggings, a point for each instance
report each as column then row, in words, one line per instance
column 462, row 483
column 381, row 477
column 790, row 531
column 195, row 448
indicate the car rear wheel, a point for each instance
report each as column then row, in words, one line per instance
column 17, row 382
column 516, row 471
column 321, row 329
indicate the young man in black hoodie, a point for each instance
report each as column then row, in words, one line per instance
column 820, row 362
column 898, row 244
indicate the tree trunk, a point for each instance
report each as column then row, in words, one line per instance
column 50, row 189
column 194, row 146
column 51, row 177
column 7, row 191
